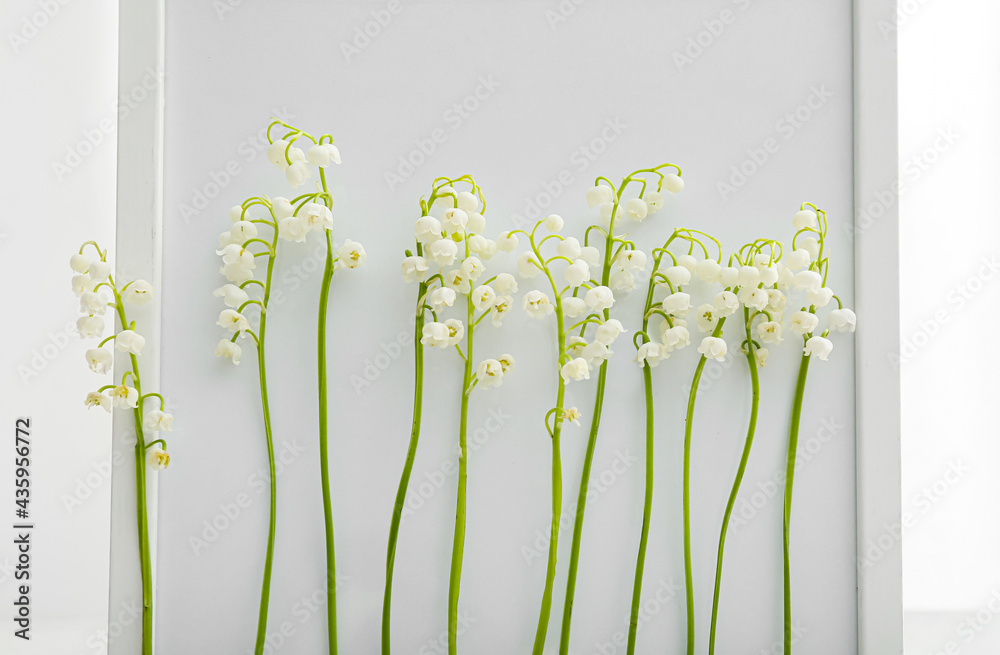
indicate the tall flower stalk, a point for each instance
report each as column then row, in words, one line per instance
column 321, row 154
column 576, row 357
column 454, row 243
column 673, row 335
column 758, row 301
column 291, row 220
column 616, row 272
column 809, row 252
column 92, row 276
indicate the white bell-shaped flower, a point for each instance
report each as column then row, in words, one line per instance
column 536, row 304
column 820, row 297
column 636, row 209
column 591, row 255
column 726, row 303
column 776, row 301
column 505, row 284
column 608, row 331
column 729, row 276
column 654, row 200
column 158, row 421
column 293, row 228
column 483, row 297
column 651, row 353
column 760, row 355
column 472, row 267
column 675, row 337
column 454, row 220
column 233, row 321
column 468, row 202
column 124, row 397
column 427, row 229
column 673, row 183
column 501, row 307
column 297, row 174
column 554, row 223
column 128, row 341
column 808, row 280
column 599, row 195
column 99, row 270
column 569, row 248
column 573, row 307
column 749, row 276
column 575, row 369
column 798, row 258
column 282, row 207
column 90, row 327
column 805, row 219
column 81, row 283
column 769, row 332
column 97, row 399
column 489, row 373
column 507, row 242
column 803, row 323
column 79, row 263
column 753, row 298
column 577, row 273
column 99, row 360
column 677, row 304
column 351, row 255
column 323, row 155
column 819, row 346
column 810, row 245
column 93, row 302
column 706, row 317
column 441, row 297
column 678, row 275
column 842, row 320
column 229, row 350
column 713, row 348
column 317, row 216
column 414, row 268
column 139, row 292
column 443, row 252
column 632, row 260
column 599, row 298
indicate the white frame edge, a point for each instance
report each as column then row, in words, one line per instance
column 137, row 255
column 876, row 230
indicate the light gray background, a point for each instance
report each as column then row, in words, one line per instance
column 558, row 86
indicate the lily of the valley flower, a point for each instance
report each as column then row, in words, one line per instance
column 599, row 298
column 96, row 399
column 803, row 323
column 651, row 353
column 124, row 396
column 769, row 332
column 575, row 369
column 90, row 327
column 233, row 321
column 317, row 216
column 93, row 302
column 819, row 346
column 138, row 292
column 158, row 421
column 229, row 350
column 232, row 295
column 99, row 360
column 713, row 348
column 842, row 320
column 414, row 268
column 323, row 155
column 128, row 341
column 351, row 255
column 536, row 304
column 157, row 458
column 489, row 373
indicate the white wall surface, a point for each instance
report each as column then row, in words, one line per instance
column 949, row 245
column 59, row 111
column 555, row 87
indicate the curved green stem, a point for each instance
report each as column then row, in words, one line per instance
column 404, row 480
column 265, row 593
column 793, row 441
column 458, row 545
column 550, row 569
column 142, row 517
column 688, row 424
column 751, row 430
column 588, row 460
column 324, row 460
column 647, row 508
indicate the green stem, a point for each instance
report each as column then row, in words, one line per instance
column 647, row 508
column 324, row 461
column 550, row 570
column 265, row 593
column 793, row 440
column 142, row 517
column 588, row 460
column 404, row 480
column 688, row 424
column 458, row 546
column 751, row 430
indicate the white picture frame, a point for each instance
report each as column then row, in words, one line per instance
column 140, row 215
